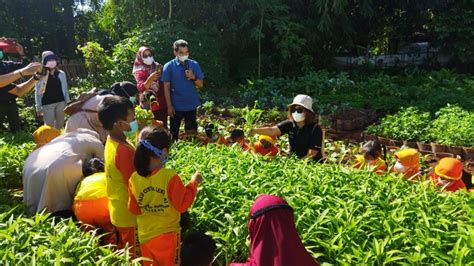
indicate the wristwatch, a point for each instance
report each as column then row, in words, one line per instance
column 36, row 77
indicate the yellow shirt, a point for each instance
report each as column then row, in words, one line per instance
column 150, row 196
column 92, row 187
column 118, row 169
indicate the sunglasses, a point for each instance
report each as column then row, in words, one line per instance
column 299, row 110
column 146, row 56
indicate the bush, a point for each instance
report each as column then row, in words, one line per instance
column 453, row 126
column 408, row 124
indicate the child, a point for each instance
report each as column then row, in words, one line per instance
column 212, row 136
column 91, row 204
column 117, row 116
column 372, row 152
column 44, row 134
column 158, row 197
column 266, row 146
column 447, row 175
column 237, row 136
column 197, row 250
column 408, row 164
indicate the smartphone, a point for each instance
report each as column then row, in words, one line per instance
column 159, row 68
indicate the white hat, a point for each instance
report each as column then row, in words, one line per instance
column 304, row 101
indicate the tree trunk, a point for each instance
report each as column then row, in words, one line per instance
column 260, row 45
column 170, row 9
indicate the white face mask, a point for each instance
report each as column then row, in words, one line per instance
column 298, row 117
column 51, row 64
column 399, row 167
column 183, row 58
column 149, row 60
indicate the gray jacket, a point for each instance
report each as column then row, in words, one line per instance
column 39, row 95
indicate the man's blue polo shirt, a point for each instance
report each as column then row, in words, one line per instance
column 184, row 95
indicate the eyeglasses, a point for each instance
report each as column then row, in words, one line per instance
column 299, row 110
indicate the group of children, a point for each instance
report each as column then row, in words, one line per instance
column 265, row 146
column 133, row 193
column 448, row 174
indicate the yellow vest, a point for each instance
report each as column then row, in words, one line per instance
column 92, row 187
column 117, row 189
column 158, row 216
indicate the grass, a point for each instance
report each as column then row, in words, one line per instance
column 344, row 216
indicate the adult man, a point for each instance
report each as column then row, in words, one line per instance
column 181, row 76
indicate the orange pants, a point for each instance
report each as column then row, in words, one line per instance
column 94, row 214
column 126, row 235
column 164, row 250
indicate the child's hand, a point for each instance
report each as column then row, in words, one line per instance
column 197, row 177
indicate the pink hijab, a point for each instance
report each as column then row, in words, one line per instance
column 273, row 236
column 139, row 65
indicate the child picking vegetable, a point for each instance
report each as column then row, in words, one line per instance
column 372, row 153
column 447, row 175
column 237, row 137
column 158, row 197
column 266, row 146
column 408, row 163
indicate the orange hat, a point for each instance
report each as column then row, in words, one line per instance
column 408, row 157
column 272, row 140
column 449, row 168
column 45, row 134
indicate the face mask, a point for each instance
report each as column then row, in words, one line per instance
column 399, row 167
column 1, row 55
column 149, row 60
column 133, row 99
column 266, row 144
column 51, row 64
column 183, row 58
column 133, row 128
column 298, row 117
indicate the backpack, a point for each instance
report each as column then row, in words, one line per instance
column 75, row 106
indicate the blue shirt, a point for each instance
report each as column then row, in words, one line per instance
column 184, row 95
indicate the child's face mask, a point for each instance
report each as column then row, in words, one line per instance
column 265, row 144
column 399, row 167
column 133, row 128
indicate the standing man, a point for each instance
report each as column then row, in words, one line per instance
column 181, row 77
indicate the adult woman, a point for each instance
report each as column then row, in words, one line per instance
column 51, row 173
column 273, row 236
column 304, row 133
column 147, row 73
column 88, row 118
column 52, row 92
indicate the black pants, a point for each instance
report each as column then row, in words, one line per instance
column 189, row 122
column 10, row 111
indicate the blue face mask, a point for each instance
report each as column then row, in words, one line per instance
column 133, row 100
column 133, row 128
column 1, row 55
